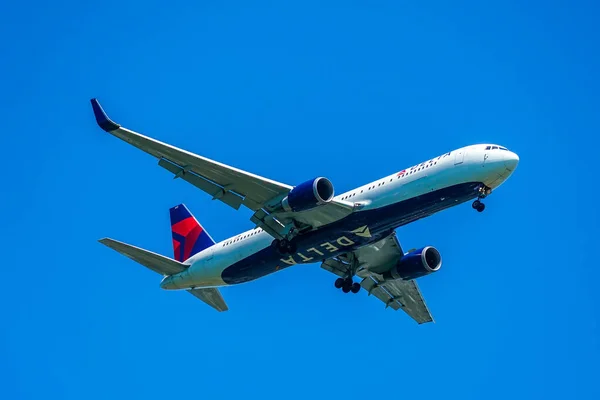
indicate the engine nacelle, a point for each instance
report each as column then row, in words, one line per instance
column 415, row 264
column 309, row 194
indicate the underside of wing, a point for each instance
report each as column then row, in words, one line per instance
column 368, row 262
column 399, row 294
column 374, row 258
column 318, row 216
column 216, row 178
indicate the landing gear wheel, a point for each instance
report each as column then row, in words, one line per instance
column 355, row 287
column 347, row 287
column 478, row 205
column 339, row 283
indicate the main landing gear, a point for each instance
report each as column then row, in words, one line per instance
column 284, row 246
column 483, row 191
column 347, row 285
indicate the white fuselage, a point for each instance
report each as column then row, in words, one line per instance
column 477, row 163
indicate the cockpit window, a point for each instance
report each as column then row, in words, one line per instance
column 496, row 148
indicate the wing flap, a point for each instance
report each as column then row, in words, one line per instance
column 216, row 191
column 399, row 294
column 153, row 261
column 210, row 296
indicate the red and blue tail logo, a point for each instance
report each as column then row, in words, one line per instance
column 189, row 237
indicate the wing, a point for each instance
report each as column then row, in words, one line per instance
column 230, row 185
column 219, row 179
column 399, row 294
column 368, row 262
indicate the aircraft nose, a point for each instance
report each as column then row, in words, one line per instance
column 511, row 160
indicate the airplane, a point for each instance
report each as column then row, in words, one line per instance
column 352, row 235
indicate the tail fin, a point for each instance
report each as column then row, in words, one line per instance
column 189, row 237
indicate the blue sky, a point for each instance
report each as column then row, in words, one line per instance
column 350, row 90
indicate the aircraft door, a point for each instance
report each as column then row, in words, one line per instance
column 459, row 157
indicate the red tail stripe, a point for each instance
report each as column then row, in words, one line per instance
column 176, row 250
column 185, row 226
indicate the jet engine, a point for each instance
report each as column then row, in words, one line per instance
column 309, row 194
column 416, row 264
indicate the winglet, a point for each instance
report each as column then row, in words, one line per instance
column 102, row 119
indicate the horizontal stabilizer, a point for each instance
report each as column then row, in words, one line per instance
column 212, row 297
column 156, row 262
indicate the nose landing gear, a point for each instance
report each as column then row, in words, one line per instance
column 482, row 191
column 478, row 205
